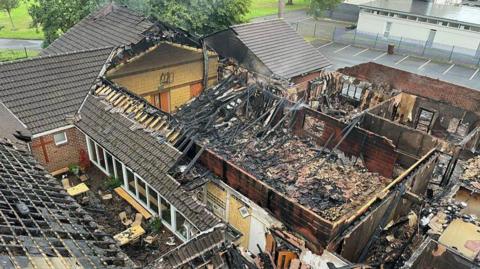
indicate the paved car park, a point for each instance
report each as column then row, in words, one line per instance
column 342, row 55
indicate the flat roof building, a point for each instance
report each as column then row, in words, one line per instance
column 434, row 24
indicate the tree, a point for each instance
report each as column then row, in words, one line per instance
column 8, row 6
column 57, row 16
column 200, row 16
column 316, row 7
column 289, row 2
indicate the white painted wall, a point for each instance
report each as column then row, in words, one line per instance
column 373, row 23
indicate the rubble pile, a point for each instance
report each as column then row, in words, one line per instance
column 471, row 172
column 252, row 127
column 437, row 216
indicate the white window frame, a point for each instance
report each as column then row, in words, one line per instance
column 173, row 210
column 63, row 142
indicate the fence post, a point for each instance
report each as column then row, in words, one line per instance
column 26, row 54
column 400, row 43
column 451, row 53
column 315, row 30
column 354, row 36
column 424, row 47
column 375, row 44
column 333, row 34
column 478, row 63
column 296, row 27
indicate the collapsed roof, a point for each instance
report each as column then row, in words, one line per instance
column 43, row 227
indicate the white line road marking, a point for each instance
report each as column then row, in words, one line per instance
column 403, row 59
column 476, row 71
column 379, row 56
column 347, row 46
column 324, row 45
column 448, row 69
column 358, row 53
column 423, row 65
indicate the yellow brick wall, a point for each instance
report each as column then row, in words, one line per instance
column 234, row 217
column 236, row 220
column 178, row 97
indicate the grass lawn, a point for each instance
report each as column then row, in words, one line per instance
column 10, row 55
column 22, row 22
column 261, row 8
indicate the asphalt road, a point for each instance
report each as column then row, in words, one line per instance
column 348, row 55
column 20, row 44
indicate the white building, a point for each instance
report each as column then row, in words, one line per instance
column 433, row 23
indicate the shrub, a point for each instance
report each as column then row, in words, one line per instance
column 74, row 169
column 112, row 183
column 155, row 225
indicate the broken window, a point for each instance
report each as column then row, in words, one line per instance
column 424, row 120
column 182, row 225
column 353, row 92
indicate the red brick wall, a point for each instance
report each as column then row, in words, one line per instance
column 309, row 225
column 55, row 157
column 377, row 151
column 435, row 89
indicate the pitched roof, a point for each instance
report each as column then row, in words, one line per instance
column 42, row 91
column 111, row 26
column 145, row 152
column 11, row 125
column 268, row 47
column 45, row 227
column 202, row 244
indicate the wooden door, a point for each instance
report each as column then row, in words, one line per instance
column 165, row 101
column 195, row 89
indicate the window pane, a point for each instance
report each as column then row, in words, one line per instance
column 130, row 181
column 60, row 138
column 142, row 190
column 181, row 224
column 93, row 155
column 165, row 210
column 118, row 168
column 110, row 164
column 101, row 157
column 153, row 199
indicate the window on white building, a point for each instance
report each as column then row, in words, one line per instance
column 60, row 138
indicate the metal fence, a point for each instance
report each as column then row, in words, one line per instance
column 402, row 45
column 311, row 29
column 15, row 54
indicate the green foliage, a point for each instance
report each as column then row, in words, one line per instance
column 74, row 168
column 112, row 183
column 155, row 225
column 10, row 55
column 23, row 24
column 57, row 16
column 8, row 6
column 317, row 7
column 261, row 8
column 200, row 16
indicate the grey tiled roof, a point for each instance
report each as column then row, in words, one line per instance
column 280, row 47
column 148, row 156
column 41, row 91
column 196, row 247
column 112, row 25
column 47, row 228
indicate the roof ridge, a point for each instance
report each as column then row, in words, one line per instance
column 46, row 56
column 257, row 22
